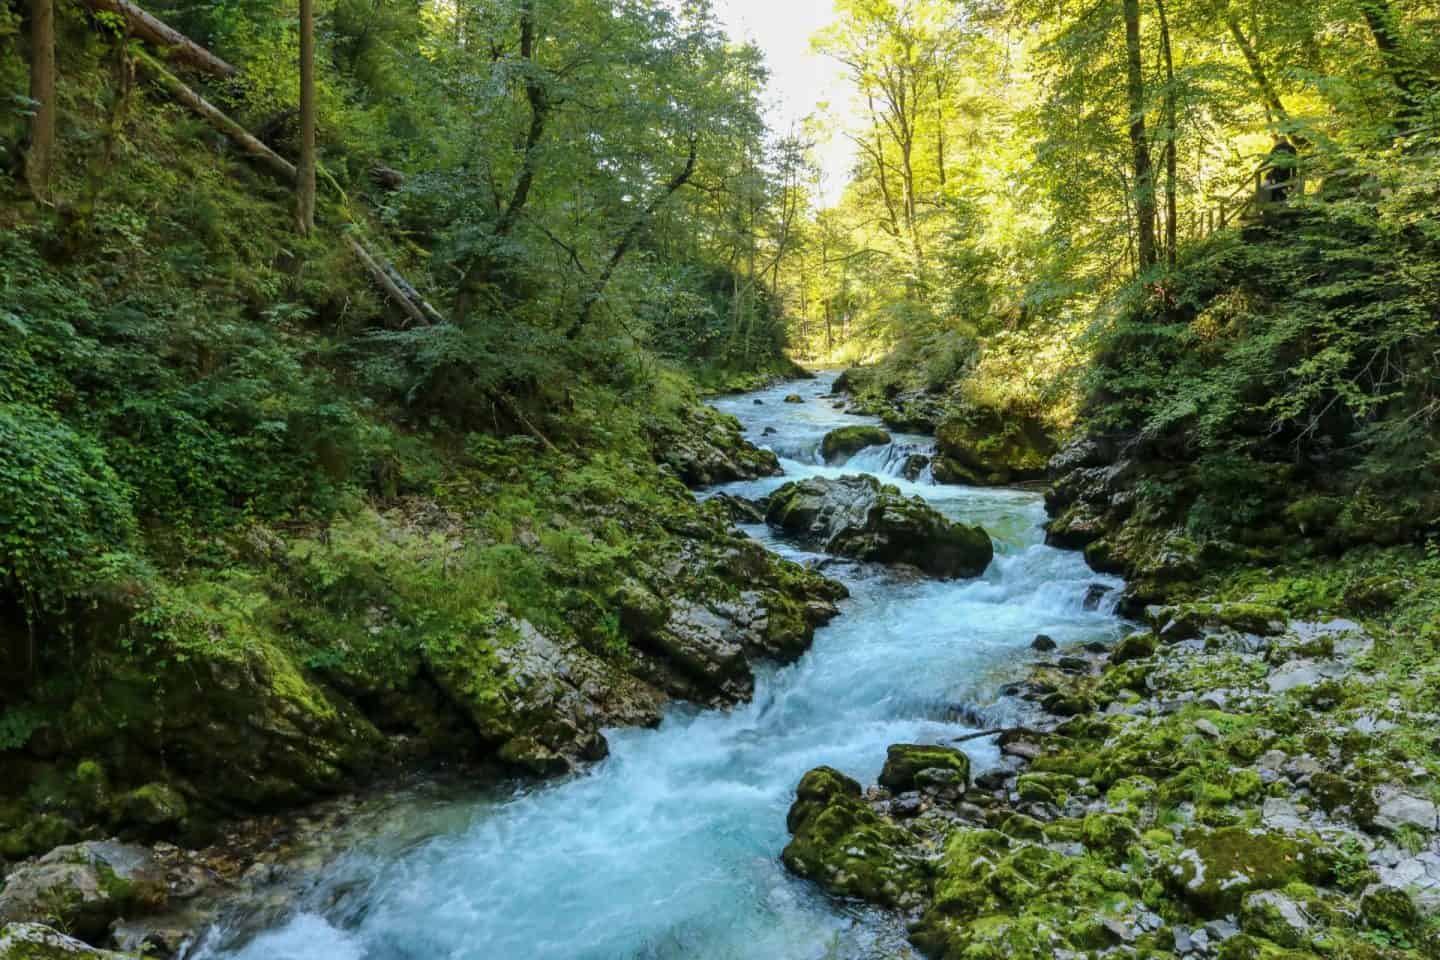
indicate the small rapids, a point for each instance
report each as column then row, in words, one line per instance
column 670, row 847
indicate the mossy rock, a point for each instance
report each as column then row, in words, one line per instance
column 844, row 441
column 903, row 761
column 970, row 857
column 1109, row 834
column 1043, row 787
column 1217, row 868
column 1247, row 947
column 1136, row 646
column 1193, row 619
column 842, row 844
column 34, row 941
column 1389, row 909
column 155, row 805
column 859, row 517
column 1276, row 917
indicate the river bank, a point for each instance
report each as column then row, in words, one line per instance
column 1251, row 773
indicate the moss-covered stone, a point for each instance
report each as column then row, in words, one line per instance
column 857, row 516
column 154, row 805
column 1135, row 646
column 1109, row 834
column 1217, row 868
column 1390, row 909
column 844, row 441
column 842, row 844
column 904, row 760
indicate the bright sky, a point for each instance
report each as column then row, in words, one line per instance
column 800, row 80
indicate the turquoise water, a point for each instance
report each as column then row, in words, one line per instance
column 670, row 847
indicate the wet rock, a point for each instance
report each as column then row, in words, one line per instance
column 861, row 518
column 769, row 432
column 35, row 941
column 905, row 761
column 84, row 887
column 844, row 441
column 1042, row 643
column 1094, row 594
column 914, row 465
column 741, row 510
column 794, row 398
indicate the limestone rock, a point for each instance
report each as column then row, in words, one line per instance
column 861, row 518
column 1396, row 808
column 35, row 941
column 84, row 887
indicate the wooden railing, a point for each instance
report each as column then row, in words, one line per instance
column 1245, row 201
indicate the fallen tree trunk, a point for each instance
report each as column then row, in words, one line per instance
column 400, row 290
column 177, row 47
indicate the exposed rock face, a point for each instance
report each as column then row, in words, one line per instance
column 708, row 448
column 844, row 441
column 861, row 518
column 84, row 887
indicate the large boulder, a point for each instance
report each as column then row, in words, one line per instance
column 844, row 441
column 861, row 518
column 83, row 888
column 981, row 447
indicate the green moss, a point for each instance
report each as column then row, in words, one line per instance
column 904, row 760
column 847, row 440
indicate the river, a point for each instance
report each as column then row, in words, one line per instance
column 670, row 847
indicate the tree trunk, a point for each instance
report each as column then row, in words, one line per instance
column 1380, row 18
column 1172, row 213
column 40, row 159
column 627, row 240
column 1144, row 172
column 481, row 269
column 176, row 47
column 305, row 179
column 1257, row 70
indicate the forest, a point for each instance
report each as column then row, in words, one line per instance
column 472, row 484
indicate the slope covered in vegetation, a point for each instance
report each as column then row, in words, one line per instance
column 265, row 535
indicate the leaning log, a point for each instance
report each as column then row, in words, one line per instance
column 381, row 270
column 177, row 47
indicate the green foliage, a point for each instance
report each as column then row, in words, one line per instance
column 66, row 525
